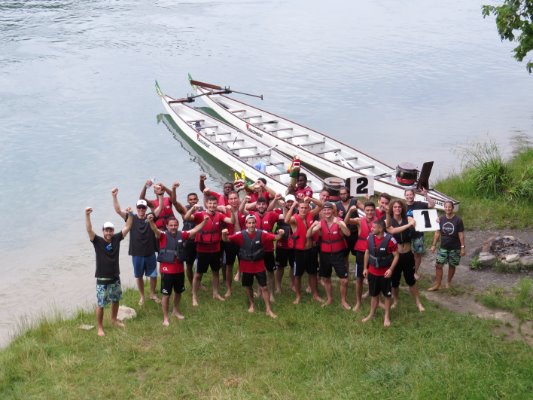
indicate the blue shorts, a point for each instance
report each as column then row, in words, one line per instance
column 108, row 292
column 144, row 265
column 417, row 244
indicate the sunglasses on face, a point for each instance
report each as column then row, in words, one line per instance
column 141, row 207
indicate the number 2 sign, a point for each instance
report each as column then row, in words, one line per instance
column 362, row 185
column 426, row 220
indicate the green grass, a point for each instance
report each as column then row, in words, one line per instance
column 519, row 301
column 220, row 351
column 493, row 193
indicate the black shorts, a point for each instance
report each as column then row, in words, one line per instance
column 379, row 284
column 171, row 282
column 406, row 264
column 305, row 261
column 359, row 263
column 284, row 257
column 248, row 278
column 229, row 253
column 333, row 260
column 206, row 260
column 350, row 243
column 190, row 251
column 270, row 261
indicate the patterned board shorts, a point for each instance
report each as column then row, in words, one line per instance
column 450, row 257
column 417, row 245
column 108, row 293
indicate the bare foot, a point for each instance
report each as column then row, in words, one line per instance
column 236, row 277
column 365, row 295
column 327, row 303
column 318, row 299
column 194, row 302
column 251, row 309
column 101, row 332
column 256, row 294
column 357, row 307
column 141, row 301
column 166, row 323
column 272, row 298
column 217, row 296
column 434, row 288
column 117, row 323
column 308, row 289
column 155, row 299
column 345, row 305
column 394, row 305
column 417, row 276
column 277, row 291
column 178, row 315
column 448, row 285
column 386, row 322
column 297, row 300
column 420, row 307
column 367, row 318
column 227, row 294
column 271, row 314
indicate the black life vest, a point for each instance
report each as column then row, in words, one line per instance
column 188, row 225
column 379, row 257
column 405, row 236
column 252, row 249
column 173, row 249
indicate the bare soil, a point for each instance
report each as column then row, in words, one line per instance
column 468, row 283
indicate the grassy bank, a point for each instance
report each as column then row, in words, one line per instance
column 221, row 351
column 494, row 193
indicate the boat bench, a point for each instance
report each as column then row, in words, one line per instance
column 193, row 121
column 236, row 111
column 267, row 122
column 328, row 151
column 229, row 140
column 312, row 143
column 217, row 133
column 207, row 127
column 299, row 135
column 252, row 116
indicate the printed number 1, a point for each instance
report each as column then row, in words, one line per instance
column 362, row 186
column 427, row 222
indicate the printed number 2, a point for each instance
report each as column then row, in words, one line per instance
column 362, row 185
column 427, row 222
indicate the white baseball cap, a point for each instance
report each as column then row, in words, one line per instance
column 290, row 197
column 142, row 202
column 108, row 225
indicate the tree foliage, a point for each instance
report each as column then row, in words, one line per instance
column 514, row 20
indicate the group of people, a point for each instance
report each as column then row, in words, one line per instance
column 267, row 232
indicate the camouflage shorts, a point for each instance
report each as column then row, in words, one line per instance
column 450, row 257
column 108, row 293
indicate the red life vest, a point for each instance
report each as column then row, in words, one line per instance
column 166, row 213
column 365, row 229
column 332, row 238
column 299, row 237
column 211, row 232
column 266, row 222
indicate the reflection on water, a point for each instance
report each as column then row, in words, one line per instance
column 401, row 81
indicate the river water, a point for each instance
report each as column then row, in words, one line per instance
column 79, row 114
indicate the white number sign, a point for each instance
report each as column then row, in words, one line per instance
column 426, row 220
column 362, row 185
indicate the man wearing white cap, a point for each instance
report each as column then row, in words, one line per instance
column 143, row 244
column 107, row 249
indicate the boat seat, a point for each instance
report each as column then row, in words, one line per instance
column 312, row 143
column 350, row 158
column 328, row 151
column 364, row 167
column 278, row 173
column 282, row 129
column 247, row 148
column 253, row 116
column 247, row 157
column 207, row 127
column 300, row 135
column 217, row 133
column 230, row 140
column 266, row 122
column 236, row 111
column 195, row 120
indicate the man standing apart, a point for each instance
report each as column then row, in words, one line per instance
column 417, row 241
column 251, row 259
column 171, row 256
column 381, row 258
column 142, row 244
column 452, row 245
column 107, row 249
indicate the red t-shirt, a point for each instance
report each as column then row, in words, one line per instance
column 391, row 248
column 303, row 193
column 222, row 200
column 252, row 267
column 254, row 196
column 266, row 222
column 177, row 266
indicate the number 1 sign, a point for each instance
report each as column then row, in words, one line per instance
column 426, row 220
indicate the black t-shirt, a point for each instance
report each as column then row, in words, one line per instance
column 417, row 205
column 341, row 211
column 142, row 238
column 107, row 265
column 449, row 232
